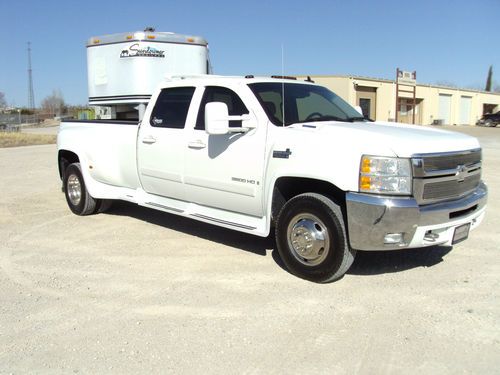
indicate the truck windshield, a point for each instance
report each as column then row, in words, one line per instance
column 303, row 103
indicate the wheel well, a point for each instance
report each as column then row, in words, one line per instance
column 286, row 188
column 66, row 158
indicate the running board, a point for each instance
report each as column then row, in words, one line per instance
column 256, row 225
column 157, row 205
column 219, row 221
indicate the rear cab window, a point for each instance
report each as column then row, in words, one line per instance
column 171, row 108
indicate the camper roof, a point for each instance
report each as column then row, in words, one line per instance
column 147, row 35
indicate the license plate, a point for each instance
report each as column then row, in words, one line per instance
column 461, row 233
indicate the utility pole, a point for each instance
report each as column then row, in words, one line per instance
column 31, row 94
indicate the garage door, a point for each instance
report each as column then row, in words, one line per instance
column 444, row 108
column 465, row 106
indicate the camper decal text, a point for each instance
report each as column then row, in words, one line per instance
column 137, row 51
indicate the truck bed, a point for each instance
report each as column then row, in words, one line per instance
column 99, row 121
column 107, row 149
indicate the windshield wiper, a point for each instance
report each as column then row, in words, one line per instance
column 325, row 118
column 333, row 118
column 357, row 118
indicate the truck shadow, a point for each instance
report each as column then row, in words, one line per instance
column 369, row 263
column 380, row 262
column 242, row 241
column 366, row 262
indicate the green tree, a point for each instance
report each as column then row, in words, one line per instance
column 489, row 79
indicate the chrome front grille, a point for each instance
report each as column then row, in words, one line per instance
column 450, row 188
column 450, row 161
column 447, row 176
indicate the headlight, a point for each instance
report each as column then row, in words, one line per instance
column 385, row 175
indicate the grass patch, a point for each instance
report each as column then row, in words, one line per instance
column 10, row 139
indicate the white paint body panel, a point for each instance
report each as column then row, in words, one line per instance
column 229, row 182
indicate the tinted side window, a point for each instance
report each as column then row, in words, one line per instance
column 313, row 103
column 221, row 94
column 171, row 108
column 273, row 106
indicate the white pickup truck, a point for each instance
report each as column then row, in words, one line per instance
column 252, row 154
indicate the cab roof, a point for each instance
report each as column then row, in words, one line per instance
column 214, row 79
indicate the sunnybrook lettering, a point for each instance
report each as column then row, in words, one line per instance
column 136, row 51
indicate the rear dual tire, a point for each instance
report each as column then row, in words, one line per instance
column 78, row 198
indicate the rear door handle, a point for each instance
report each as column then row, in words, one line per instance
column 149, row 140
column 198, row 144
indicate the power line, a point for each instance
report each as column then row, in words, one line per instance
column 31, row 94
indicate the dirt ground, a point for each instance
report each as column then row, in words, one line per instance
column 48, row 127
column 138, row 291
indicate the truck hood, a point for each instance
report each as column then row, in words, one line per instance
column 402, row 139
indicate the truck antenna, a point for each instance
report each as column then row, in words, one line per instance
column 282, row 84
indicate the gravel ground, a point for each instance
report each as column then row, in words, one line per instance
column 139, row 291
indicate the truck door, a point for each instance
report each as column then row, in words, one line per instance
column 226, row 171
column 161, row 143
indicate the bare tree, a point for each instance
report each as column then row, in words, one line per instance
column 54, row 103
column 446, row 83
column 3, row 102
column 474, row 86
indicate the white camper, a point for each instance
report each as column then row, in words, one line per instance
column 124, row 69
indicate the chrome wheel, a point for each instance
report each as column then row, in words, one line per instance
column 311, row 238
column 308, row 239
column 79, row 200
column 74, row 189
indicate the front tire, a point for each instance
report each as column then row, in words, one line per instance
column 311, row 238
column 78, row 198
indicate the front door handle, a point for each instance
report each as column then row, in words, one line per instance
column 149, row 140
column 198, row 144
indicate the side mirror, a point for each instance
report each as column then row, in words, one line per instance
column 359, row 110
column 216, row 118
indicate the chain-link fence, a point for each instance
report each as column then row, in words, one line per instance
column 14, row 121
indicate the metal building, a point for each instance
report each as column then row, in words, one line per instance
column 434, row 104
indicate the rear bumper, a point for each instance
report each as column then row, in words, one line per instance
column 371, row 218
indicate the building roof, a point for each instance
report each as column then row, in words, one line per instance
column 393, row 82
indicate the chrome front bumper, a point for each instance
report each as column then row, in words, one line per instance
column 371, row 218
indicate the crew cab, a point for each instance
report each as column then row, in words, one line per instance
column 252, row 154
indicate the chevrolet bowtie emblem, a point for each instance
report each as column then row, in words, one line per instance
column 461, row 173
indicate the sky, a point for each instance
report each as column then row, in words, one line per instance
column 446, row 42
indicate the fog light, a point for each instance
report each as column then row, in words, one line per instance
column 393, row 238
